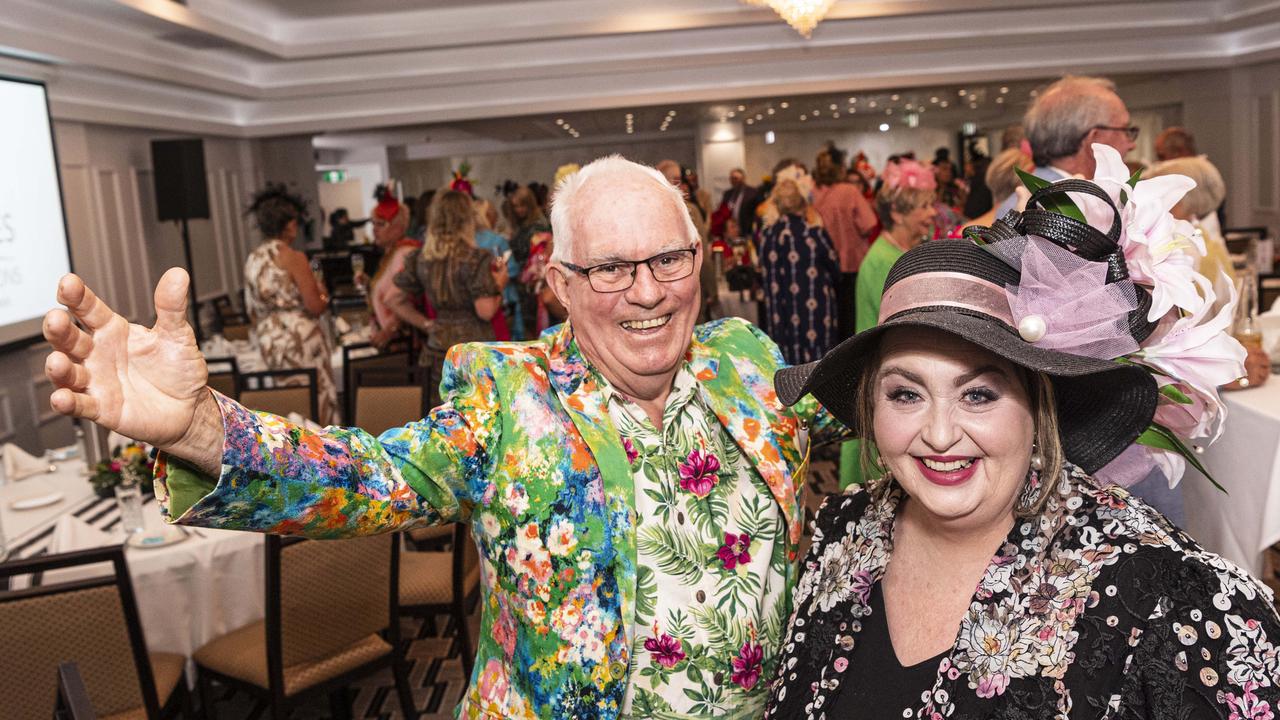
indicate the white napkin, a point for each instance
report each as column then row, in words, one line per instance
column 71, row 533
column 19, row 463
column 307, row 423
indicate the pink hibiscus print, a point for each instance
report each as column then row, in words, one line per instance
column 747, row 666
column 665, row 649
column 698, row 473
column 632, row 454
column 734, row 550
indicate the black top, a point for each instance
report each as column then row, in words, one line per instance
column 878, row 686
column 1098, row 607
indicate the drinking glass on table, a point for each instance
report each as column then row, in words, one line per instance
column 1246, row 327
column 129, row 497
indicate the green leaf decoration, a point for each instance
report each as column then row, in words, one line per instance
column 773, row 622
column 1158, row 436
column 721, row 630
column 678, row 625
column 1176, row 395
column 737, row 591
column 677, row 554
column 711, row 514
column 1134, row 178
column 646, row 593
column 752, row 516
column 1056, row 202
column 647, row 703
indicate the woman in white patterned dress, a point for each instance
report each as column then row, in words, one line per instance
column 284, row 298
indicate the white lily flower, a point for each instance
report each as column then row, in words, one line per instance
column 1199, row 352
column 1160, row 251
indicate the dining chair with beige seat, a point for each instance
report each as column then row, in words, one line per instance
column 435, row 582
column 94, row 623
column 331, row 617
column 364, row 356
column 281, row 392
column 387, row 398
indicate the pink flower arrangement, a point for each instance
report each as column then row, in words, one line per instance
column 747, row 666
column 1191, row 352
column 734, row 550
column 698, row 473
column 664, row 648
column 908, row 173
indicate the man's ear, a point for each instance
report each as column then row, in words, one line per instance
column 559, row 284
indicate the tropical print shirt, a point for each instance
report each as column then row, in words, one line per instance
column 711, row 563
column 524, row 448
column 1098, row 608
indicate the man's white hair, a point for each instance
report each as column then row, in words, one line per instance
column 565, row 198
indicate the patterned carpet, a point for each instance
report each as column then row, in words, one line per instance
column 435, row 677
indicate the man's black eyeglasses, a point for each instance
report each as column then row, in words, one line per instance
column 619, row 275
column 1131, row 131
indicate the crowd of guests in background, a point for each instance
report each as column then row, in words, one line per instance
column 811, row 245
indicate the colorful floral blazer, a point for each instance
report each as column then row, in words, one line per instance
column 1099, row 609
column 524, row 448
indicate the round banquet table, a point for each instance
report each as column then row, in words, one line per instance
column 1242, row 524
column 188, row 592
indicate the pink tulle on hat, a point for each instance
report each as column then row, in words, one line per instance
column 910, row 174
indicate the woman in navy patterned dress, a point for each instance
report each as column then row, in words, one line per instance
column 800, row 269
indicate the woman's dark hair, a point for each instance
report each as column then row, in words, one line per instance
column 273, row 207
column 422, row 206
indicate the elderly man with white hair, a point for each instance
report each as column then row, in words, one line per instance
column 631, row 480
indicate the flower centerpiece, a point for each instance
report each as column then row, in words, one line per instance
column 132, row 463
column 1067, row 303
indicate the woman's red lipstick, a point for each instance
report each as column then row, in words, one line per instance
column 950, row 477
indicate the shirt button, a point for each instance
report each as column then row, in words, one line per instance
column 702, row 596
column 617, row 670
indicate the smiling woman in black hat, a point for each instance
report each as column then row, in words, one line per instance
column 986, row 573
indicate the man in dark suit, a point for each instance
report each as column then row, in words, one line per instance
column 741, row 199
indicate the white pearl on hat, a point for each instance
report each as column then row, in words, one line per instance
column 1032, row 328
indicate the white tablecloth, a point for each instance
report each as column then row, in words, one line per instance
column 17, row 527
column 188, row 592
column 1246, row 461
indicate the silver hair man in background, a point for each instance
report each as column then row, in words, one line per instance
column 1063, row 123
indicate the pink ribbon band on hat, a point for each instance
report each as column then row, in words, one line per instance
column 948, row 289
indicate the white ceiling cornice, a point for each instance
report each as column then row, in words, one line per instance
column 276, row 67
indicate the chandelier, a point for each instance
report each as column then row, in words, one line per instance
column 803, row 15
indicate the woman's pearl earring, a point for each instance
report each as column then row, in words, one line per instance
column 1037, row 460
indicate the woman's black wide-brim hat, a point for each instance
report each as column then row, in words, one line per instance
column 950, row 285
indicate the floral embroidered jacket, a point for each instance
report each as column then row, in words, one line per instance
column 524, row 447
column 1101, row 609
